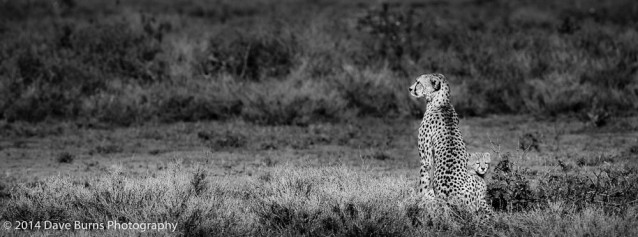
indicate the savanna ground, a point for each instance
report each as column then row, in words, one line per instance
column 236, row 178
column 273, row 118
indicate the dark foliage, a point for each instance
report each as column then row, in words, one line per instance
column 220, row 140
column 65, row 157
column 53, row 76
column 394, row 36
column 614, row 190
column 250, row 56
column 509, row 189
column 107, row 149
column 126, row 67
column 530, row 141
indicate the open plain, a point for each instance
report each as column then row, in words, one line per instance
column 293, row 118
column 359, row 178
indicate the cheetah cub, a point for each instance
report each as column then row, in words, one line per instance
column 477, row 166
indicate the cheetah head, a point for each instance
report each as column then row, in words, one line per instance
column 480, row 163
column 430, row 86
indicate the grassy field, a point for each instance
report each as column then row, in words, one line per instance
column 292, row 117
column 236, row 178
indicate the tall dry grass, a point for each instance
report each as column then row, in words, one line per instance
column 296, row 201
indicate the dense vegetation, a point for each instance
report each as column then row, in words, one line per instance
column 295, row 62
column 326, row 201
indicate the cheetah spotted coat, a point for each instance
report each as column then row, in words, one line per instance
column 441, row 147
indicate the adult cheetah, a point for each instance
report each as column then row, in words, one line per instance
column 441, row 146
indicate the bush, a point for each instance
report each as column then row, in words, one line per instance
column 510, row 190
column 250, row 56
column 65, row 157
column 107, row 149
column 76, row 63
column 22, row 10
column 393, row 36
column 612, row 189
column 126, row 68
column 220, row 140
column 181, row 107
column 118, row 50
column 292, row 102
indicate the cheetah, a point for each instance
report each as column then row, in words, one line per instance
column 441, row 147
column 477, row 166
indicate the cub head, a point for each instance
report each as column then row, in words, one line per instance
column 479, row 163
column 430, row 86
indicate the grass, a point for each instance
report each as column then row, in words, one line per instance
column 238, row 179
column 291, row 118
column 298, row 62
column 293, row 201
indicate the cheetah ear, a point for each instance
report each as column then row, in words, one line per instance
column 436, row 83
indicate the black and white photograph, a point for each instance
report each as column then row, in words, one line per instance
column 319, row 118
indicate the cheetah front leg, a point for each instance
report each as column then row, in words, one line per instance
column 425, row 187
column 485, row 212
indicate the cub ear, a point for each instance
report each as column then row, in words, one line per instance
column 487, row 156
